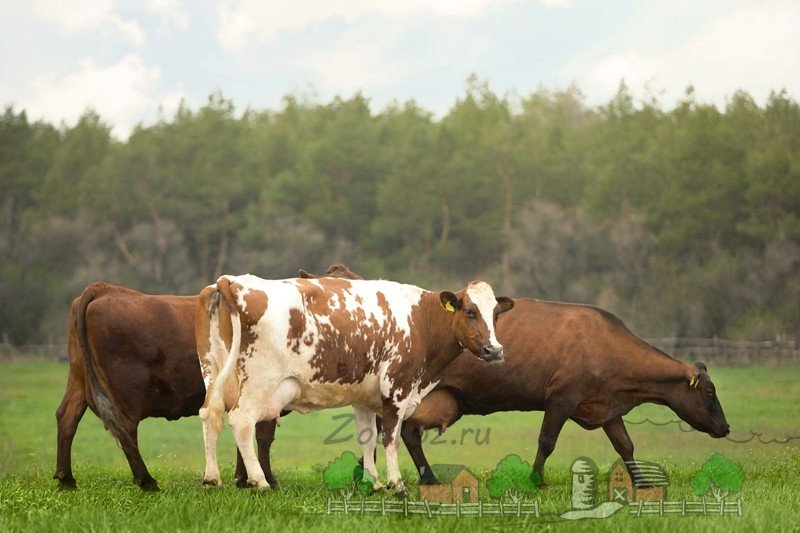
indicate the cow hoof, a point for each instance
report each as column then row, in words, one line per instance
column 150, row 486
column 67, row 484
column 241, row 483
column 211, row 483
column 397, row 488
column 258, row 486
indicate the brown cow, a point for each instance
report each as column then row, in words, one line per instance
column 314, row 344
column 571, row 361
column 132, row 356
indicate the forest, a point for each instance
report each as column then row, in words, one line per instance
column 683, row 220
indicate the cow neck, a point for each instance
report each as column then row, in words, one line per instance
column 655, row 376
column 441, row 344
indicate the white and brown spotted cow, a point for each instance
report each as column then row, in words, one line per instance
column 308, row 344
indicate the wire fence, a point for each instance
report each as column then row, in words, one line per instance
column 33, row 352
column 730, row 352
column 685, row 507
column 717, row 351
column 405, row 507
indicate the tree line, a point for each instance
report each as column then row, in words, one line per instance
column 682, row 220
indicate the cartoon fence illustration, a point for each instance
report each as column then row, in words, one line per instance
column 425, row 508
column 686, row 507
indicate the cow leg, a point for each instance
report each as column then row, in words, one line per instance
column 243, row 424
column 258, row 402
column 438, row 410
column 265, row 435
column 391, row 420
column 617, row 433
column 368, row 439
column 555, row 416
column 68, row 415
column 412, row 438
column 211, row 475
column 130, row 446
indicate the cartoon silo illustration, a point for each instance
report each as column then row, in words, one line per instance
column 584, row 483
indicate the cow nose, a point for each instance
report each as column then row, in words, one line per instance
column 492, row 353
column 727, row 429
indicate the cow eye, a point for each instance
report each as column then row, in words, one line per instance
column 469, row 313
column 709, row 393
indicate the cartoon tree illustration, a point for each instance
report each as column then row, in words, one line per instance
column 346, row 475
column 719, row 475
column 513, row 477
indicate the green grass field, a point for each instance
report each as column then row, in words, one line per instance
column 762, row 399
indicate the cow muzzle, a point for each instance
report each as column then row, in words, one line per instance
column 491, row 352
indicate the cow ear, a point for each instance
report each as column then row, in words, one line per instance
column 449, row 301
column 694, row 377
column 701, row 366
column 504, row 304
column 307, row 275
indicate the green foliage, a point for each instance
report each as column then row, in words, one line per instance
column 683, row 221
column 513, row 477
column 345, row 474
column 720, row 476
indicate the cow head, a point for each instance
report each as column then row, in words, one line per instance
column 697, row 403
column 475, row 310
column 336, row 270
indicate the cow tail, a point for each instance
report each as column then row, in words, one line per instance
column 214, row 407
column 113, row 419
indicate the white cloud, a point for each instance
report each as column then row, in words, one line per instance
column 75, row 16
column 120, row 93
column 347, row 66
column 172, row 12
column 243, row 20
column 755, row 49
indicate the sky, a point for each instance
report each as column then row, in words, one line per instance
column 133, row 61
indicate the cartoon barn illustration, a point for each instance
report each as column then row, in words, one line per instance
column 650, row 484
column 456, row 483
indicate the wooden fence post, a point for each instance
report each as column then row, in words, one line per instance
column 739, row 506
column 345, row 504
column 405, row 506
column 705, row 513
column 722, row 507
column 362, row 506
column 660, row 507
column 427, row 507
column 639, row 511
column 329, row 505
column 458, row 508
column 536, row 508
column 383, row 507
column 683, row 507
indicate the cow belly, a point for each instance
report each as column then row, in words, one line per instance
column 320, row 395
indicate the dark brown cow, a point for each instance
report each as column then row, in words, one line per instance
column 132, row 356
column 572, row 362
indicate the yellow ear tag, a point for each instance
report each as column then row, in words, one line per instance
column 449, row 307
column 693, row 381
